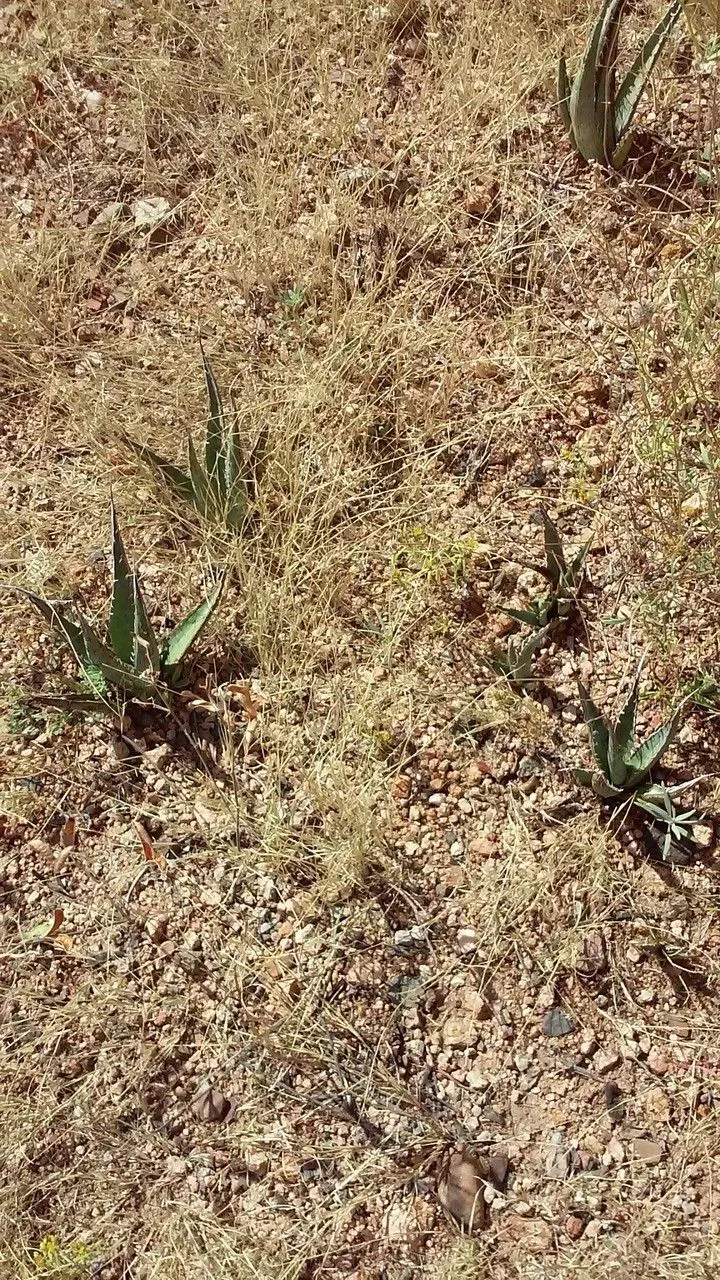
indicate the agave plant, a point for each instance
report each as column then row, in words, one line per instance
column 565, row 580
column 132, row 658
column 515, row 665
column 622, row 764
column 669, row 824
column 596, row 113
column 221, row 487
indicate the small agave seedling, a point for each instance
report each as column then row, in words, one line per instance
column 516, row 664
column 222, row 487
column 565, row 580
column 596, row 113
column 675, row 825
column 132, row 659
column 622, row 765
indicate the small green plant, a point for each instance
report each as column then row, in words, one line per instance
column 222, row 488
column 596, row 113
column 565, row 579
column 675, row 825
column 24, row 721
column 705, row 691
column 515, row 665
column 294, row 297
column 51, row 1258
column 622, row 765
column 424, row 556
column 132, row 659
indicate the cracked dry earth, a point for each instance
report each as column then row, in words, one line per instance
column 335, row 971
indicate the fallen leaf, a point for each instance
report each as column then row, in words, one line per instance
column 150, row 853
column 68, row 833
column 249, row 701
column 46, row 929
column 211, row 1106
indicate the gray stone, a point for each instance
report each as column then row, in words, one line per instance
column 461, row 1189
column 556, row 1023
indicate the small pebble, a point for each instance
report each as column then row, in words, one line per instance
column 556, row 1023
column 657, row 1062
column 604, row 1060
column 646, row 1151
column 574, row 1226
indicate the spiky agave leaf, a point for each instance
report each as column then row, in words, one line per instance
column 517, row 666
column 202, row 492
column 184, row 635
column 585, row 108
column 598, row 782
column 88, row 650
column 215, row 438
column 236, row 481
column 146, row 656
column 112, row 669
column 247, row 473
column 607, row 81
column 598, row 729
column 597, row 115
column 620, row 737
column 644, row 758
column 554, row 554
column 617, row 769
column 563, row 92
column 58, row 619
column 575, row 572
column 121, row 626
column 633, row 85
column 177, row 480
column 605, row 789
column 535, row 616
column 131, row 635
column 625, row 723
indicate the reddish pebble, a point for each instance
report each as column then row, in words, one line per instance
column 574, row 1226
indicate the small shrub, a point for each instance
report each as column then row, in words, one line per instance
column 515, row 665
column 622, row 764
